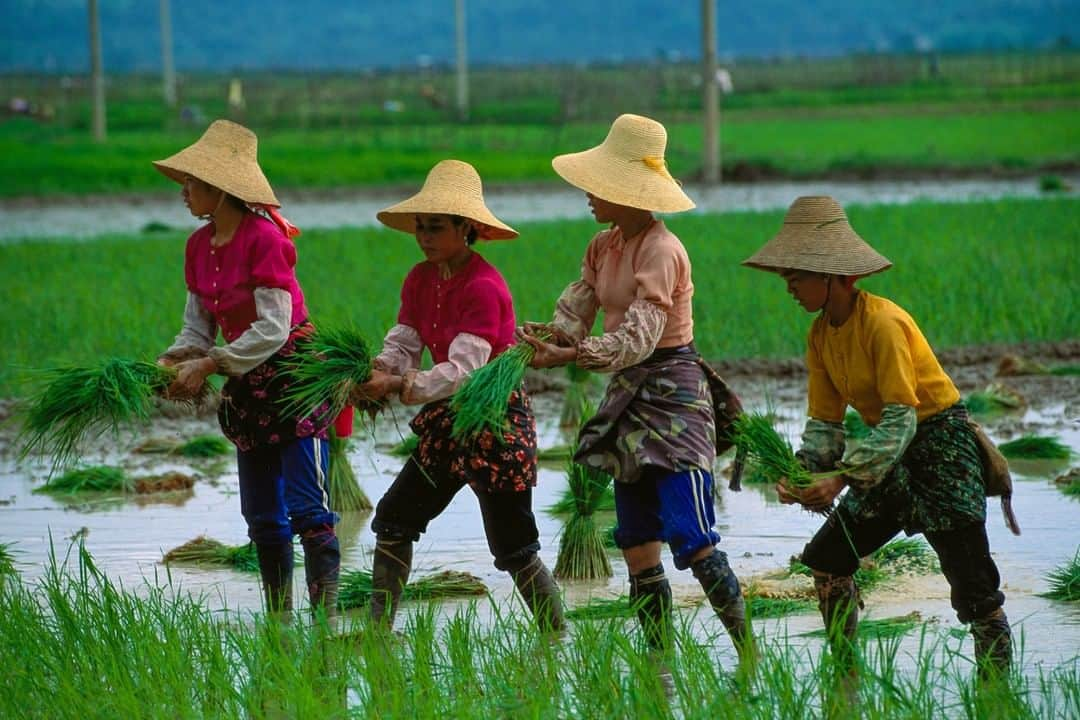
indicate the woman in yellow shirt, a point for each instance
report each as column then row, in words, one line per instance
column 918, row 471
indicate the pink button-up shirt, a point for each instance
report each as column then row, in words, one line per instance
column 225, row 278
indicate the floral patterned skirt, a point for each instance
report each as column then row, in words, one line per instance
column 249, row 413
column 490, row 464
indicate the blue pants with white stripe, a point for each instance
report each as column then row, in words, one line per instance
column 672, row 507
column 283, row 489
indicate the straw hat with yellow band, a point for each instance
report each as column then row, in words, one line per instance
column 226, row 157
column 817, row 237
column 452, row 187
column 628, row 168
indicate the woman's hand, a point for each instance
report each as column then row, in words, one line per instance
column 379, row 385
column 545, row 332
column 816, row 497
column 548, row 354
column 190, row 377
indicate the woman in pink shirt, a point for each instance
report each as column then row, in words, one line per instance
column 458, row 307
column 241, row 280
column 655, row 431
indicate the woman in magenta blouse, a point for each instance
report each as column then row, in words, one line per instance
column 459, row 308
column 240, row 273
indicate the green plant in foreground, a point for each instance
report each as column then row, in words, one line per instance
column 207, row 551
column 7, row 560
column 325, row 368
column 356, row 587
column 1036, row 447
column 1064, row 581
column 480, row 403
column 96, row 478
column 346, row 495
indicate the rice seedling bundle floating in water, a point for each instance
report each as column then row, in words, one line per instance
column 1036, row 447
column 1064, row 581
column 480, row 403
column 204, row 551
column 995, row 398
column 200, row 446
column 96, row 478
column 346, row 495
column 166, row 482
column 325, row 368
column 76, row 403
column 355, row 587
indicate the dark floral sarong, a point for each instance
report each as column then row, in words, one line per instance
column 486, row 464
column 936, row 486
column 658, row 412
column 249, row 413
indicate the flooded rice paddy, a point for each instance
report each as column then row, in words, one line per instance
column 128, row 536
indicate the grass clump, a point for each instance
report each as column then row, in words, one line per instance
column 356, row 587
column 325, row 368
column 74, row 403
column 1064, row 581
column 480, row 403
column 200, row 446
column 346, row 495
column 96, row 478
column 204, row 551
column 1036, row 447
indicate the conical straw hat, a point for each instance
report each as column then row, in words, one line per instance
column 817, row 237
column 628, row 168
column 452, row 187
column 226, row 156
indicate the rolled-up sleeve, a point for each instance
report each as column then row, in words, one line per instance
column 631, row 342
column 197, row 334
column 402, row 349
column 467, row 352
column 267, row 335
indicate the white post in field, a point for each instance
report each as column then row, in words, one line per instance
column 168, row 71
column 710, row 97
column 462, row 61
column 97, row 74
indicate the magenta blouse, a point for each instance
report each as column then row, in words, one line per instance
column 476, row 301
column 225, row 278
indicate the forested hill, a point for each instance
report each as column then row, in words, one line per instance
column 332, row 34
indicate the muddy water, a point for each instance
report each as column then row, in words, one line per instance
column 128, row 538
column 91, row 216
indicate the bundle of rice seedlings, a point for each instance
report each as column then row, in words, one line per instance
column 480, row 403
column 1069, row 483
column 880, row 629
column 406, row 447
column 567, row 502
column 855, row 427
column 1036, row 447
column 203, row 551
column 355, row 587
column 557, row 453
column 759, row 607
column 166, row 482
column 1011, row 365
column 325, row 368
column 205, row 446
column 995, row 398
column 346, row 495
column 1064, row 581
column 770, row 453
column 157, row 446
column 96, row 478
column 576, row 397
column 602, row 609
column 73, row 403
column 897, row 557
column 581, row 547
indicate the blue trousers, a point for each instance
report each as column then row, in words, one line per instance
column 283, row 489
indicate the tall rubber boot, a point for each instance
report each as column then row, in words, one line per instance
column 993, row 644
column 725, row 596
column 275, row 569
column 322, row 566
column 838, row 601
column 538, row 589
column 390, row 568
column 650, row 593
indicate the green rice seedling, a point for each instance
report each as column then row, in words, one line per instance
column 758, row 607
column 581, row 546
column 608, row 535
column 1069, row 483
column 1052, row 183
column 96, row 478
column 356, row 587
column 204, row 551
column 205, row 446
column 480, row 403
column 157, row 446
column 166, row 482
column 896, row 557
column 74, row 403
column 406, row 447
column 325, row 368
column 577, row 395
column 771, row 453
column 346, row 495
column 881, row 628
column 566, row 502
column 1064, row 581
column 602, row 609
column 1036, row 447
column 7, row 560
column 1016, row 365
column 855, row 427
column 555, row 453
column 995, row 398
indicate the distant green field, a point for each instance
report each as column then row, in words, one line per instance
column 982, row 272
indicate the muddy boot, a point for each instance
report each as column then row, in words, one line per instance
column 322, row 564
column 650, row 593
column 993, row 645
column 539, row 591
column 722, row 588
column 390, row 568
column 838, row 601
column 275, row 569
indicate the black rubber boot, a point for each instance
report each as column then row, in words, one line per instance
column 650, row 593
column 722, row 588
column 390, row 568
column 838, row 601
column 993, row 644
column 538, row 589
column 275, row 569
column 322, row 565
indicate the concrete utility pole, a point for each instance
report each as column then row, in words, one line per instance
column 462, row 61
column 97, row 75
column 168, row 72
column 710, row 95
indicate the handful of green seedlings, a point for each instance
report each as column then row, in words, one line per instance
column 481, row 402
column 770, row 453
column 325, row 368
column 74, row 403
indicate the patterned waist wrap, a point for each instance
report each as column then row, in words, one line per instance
column 659, row 412
column 249, row 413
column 489, row 464
column 937, row 484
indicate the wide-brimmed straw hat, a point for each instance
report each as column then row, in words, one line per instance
column 226, row 156
column 628, row 168
column 817, row 237
column 452, row 187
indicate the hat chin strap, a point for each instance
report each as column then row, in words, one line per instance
column 210, row 215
